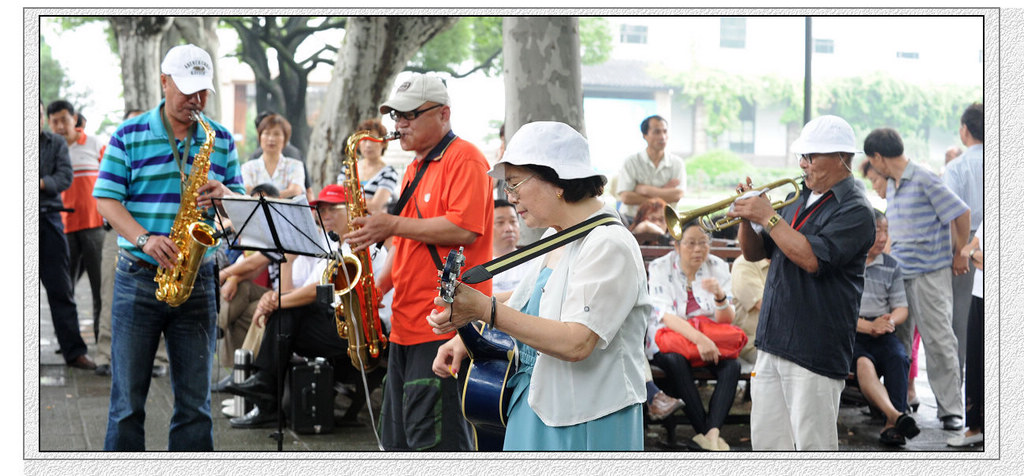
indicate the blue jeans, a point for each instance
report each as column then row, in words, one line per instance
column 137, row 320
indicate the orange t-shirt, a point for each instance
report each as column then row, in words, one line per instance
column 85, row 155
column 457, row 187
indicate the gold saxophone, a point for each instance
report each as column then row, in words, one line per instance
column 190, row 234
column 352, row 275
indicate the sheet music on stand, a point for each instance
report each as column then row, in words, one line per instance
column 258, row 226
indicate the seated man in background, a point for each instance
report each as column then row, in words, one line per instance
column 877, row 352
column 307, row 327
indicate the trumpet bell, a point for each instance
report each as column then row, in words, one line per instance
column 703, row 215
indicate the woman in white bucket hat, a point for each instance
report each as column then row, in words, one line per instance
column 580, row 314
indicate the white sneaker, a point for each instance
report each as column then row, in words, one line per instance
column 230, row 410
column 964, row 440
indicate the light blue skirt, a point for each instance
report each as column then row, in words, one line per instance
column 619, row 431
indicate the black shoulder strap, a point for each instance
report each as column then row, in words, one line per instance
column 501, row 264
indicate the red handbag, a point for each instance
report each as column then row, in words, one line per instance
column 729, row 339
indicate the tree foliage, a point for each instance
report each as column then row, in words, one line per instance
column 284, row 93
column 53, row 81
column 866, row 102
column 475, row 43
column 595, row 40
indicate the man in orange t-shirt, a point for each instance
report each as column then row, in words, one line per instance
column 84, row 226
column 451, row 206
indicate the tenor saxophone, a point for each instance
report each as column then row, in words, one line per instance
column 357, row 299
column 190, row 234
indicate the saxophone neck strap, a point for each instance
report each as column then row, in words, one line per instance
column 434, row 155
column 501, row 264
column 174, row 145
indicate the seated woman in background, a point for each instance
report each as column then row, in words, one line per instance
column 649, row 226
column 273, row 167
column 688, row 282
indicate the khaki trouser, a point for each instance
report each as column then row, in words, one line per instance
column 235, row 318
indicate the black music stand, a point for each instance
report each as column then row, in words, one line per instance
column 262, row 222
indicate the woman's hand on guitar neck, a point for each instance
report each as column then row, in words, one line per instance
column 468, row 305
column 449, row 358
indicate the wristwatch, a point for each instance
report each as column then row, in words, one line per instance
column 141, row 240
column 774, row 220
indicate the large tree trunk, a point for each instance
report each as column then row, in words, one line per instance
column 543, row 78
column 373, row 52
column 138, row 44
column 202, row 32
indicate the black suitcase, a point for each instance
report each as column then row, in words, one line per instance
column 312, row 397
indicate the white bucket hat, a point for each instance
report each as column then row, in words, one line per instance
column 191, row 68
column 824, row 135
column 552, row 144
column 415, row 91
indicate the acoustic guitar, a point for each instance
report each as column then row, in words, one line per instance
column 492, row 361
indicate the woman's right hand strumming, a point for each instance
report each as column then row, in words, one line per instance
column 449, row 358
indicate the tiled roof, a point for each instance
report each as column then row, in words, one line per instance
column 621, row 74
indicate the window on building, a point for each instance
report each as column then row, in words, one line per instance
column 907, row 54
column 741, row 135
column 734, row 32
column 633, row 34
column 824, row 46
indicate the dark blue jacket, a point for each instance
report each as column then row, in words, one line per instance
column 54, row 170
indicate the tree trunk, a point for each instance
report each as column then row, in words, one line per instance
column 543, row 78
column 138, row 44
column 373, row 52
column 202, row 32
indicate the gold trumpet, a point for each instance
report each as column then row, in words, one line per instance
column 703, row 214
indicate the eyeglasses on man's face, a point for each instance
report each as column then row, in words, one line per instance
column 809, row 158
column 411, row 115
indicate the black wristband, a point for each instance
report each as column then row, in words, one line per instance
column 721, row 300
column 494, row 311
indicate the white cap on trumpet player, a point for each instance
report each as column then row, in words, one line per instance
column 826, row 134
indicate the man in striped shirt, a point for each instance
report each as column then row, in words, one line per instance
column 143, row 173
column 922, row 212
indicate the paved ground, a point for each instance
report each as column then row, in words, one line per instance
column 73, row 410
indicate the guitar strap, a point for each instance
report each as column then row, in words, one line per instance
column 501, row 264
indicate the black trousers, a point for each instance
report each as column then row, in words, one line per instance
column 55, row 275
column 974, row 390
column 86, row 253
column 680, row 384
column 309, row 331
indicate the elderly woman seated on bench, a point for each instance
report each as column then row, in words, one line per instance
column 688, row 282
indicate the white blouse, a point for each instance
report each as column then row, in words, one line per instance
column 599, row 282
column 668, row 291
column 287, row 172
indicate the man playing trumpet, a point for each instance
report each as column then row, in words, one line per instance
column 817, row 245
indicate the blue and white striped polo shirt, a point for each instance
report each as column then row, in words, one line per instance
column 919, row 213
column 139, row 170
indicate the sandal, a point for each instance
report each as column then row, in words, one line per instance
column 907, row 426
column 892, row 437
